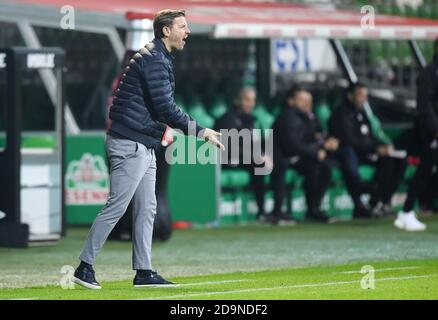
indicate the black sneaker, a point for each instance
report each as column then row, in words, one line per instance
column 84, row 276
column 153, row 279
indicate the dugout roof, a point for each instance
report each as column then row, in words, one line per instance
column 230, row 19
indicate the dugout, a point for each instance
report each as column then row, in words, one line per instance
column 267, row 42
column 31, row 162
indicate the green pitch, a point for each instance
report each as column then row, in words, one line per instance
column 254, row 262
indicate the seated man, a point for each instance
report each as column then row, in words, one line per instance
column 240, row 117
column 350, row 124
column 300, row 144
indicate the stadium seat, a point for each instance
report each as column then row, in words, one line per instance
column 264, row 118
column 323, row 113
column 234, row 181
column 366, row 173
column 237, row 178
column 218, row 108
column 337, row 177
column 275, row 111
column 198, row 113
column 376, row 127
column 409, row 173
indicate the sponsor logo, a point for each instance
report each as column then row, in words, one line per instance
column 87, row 181
column 40, row 60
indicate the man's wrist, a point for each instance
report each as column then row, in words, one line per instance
column 198, row 130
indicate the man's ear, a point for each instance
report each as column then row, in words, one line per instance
column 166, row 31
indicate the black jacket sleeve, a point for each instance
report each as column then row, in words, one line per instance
column 161, row 93
column 346, row 132
column 426, row 89
column 293, row 143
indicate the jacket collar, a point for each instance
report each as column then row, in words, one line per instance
column 294, row 109
column 161, row 47
column 351, row 107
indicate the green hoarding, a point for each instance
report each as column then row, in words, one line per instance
column 191, row 187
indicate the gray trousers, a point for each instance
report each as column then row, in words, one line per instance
column 132, row 176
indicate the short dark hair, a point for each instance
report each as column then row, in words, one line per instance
column 292, row 92
column 164, row 18
column 354, row 86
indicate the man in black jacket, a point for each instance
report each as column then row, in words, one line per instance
column 300, row 143
column 427, row 124
column 240, row 117
column 350, row 124
column 143, row 106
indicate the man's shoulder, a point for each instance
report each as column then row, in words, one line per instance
column 150, row 54
column 289, row 117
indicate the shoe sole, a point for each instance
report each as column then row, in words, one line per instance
column 86, row 284
column 416, row 229
column 155, row 285
column 398, row 224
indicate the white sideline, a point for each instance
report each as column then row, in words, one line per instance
column 210, row 282
column 383, row 269
column 324, row 284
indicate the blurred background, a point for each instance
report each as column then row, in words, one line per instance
column 61, row 177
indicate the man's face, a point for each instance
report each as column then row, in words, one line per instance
column 247, row 101
column 178, row 33
column 359, row 97
column 303, row 101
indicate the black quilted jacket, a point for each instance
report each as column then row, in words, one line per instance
column 144, row 102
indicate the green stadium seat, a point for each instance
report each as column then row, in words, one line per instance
column 238, row 178
column 218, row 108
column 264, row 118
column 198, row 113
column 376, row 127
column 234, row 181
column 276, row 109
column 366, row 173
column 234, row 178
column 410, row 171
column 323, row 113
column 337, row 177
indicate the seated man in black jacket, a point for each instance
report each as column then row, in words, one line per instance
column 300, row 143
column 240, row 117
column 350, row 124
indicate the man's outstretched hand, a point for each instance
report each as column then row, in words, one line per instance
column 212, row 136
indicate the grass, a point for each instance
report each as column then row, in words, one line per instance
column 253, row 262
